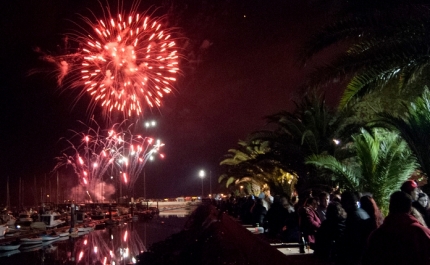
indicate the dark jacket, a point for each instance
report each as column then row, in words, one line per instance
column 353, row 242
column 327, row 237
column 401, row 239
column 309, row 224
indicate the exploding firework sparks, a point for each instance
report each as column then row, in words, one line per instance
column 125, row 61
column 91, row 159
column 98, row 155
column 134, row 153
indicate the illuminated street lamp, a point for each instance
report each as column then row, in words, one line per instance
column 151, row 158
column 150, row 124
column 202, row 175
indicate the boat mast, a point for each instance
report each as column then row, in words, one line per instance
column 7, row 194
column 19, row 194
column 57, row 188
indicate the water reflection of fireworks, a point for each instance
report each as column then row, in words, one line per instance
column 119, row 245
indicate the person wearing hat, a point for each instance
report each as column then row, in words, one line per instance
column 401, row 239
column 411, row 187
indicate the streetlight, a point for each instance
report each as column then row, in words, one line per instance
column 150, row 124
column 202, row 175
column 144, row 177
column 210, row 183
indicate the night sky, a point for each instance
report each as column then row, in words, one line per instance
column 248, row 72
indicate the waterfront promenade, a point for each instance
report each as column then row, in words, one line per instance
column 214, row 237
column 258, row 249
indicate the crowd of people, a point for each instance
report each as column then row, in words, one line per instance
column 345, row 228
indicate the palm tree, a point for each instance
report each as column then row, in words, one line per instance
column 250, row 165
column 383, row 162
column 383, row 45
column 310, row 126
column 313, row 128
column 414, row 128
column 277, row 156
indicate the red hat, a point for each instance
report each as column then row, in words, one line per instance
column 408, row 186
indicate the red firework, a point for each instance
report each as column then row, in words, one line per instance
column 125, row 62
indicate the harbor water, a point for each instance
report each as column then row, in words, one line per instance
column 117, row 244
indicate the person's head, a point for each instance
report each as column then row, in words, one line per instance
column 335, row 211
column 400, row 202
column 259, row 201
column 287, row 204
column 324, row 199
column 423, row 199
column 335, row 197
column 410, row 187
column 312, row 202
column 349, row 201
column 368, row 204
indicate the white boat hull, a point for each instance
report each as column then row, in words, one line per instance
column 3, row 230
column 9, row 247
column 49, row 237
column 31, row 241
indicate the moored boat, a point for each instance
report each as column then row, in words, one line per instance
column 9, row 247
column 64, row 234
column 9, row 253
column 52, row 219
column 33, row 247
column 49, row 237
column 3, row 229
column 7, row 219
column 31, row 240
column 86, row 229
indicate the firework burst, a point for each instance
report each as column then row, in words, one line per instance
column 133, row 153
column 125, row 61
column 98, row 155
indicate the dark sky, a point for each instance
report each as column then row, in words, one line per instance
column 248, row 72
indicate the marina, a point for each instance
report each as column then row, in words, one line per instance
column 116, row 240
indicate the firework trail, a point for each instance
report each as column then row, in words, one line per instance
column 91, row 159
column 99, row 154
column 125, row 61
column 134, row 151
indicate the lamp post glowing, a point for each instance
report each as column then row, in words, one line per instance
column 202, row 175
column 151, row 158
column 210, row 184
column 150, row 124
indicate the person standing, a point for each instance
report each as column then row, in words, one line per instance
column 411, row 187
column 309, row 221
column 324, row 200
column 422, row 206
column 401, row 239
column 357, row 229
column 331, row 229
column 368, row 204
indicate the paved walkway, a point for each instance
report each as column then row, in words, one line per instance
column 260, row 250
column 284, row 248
